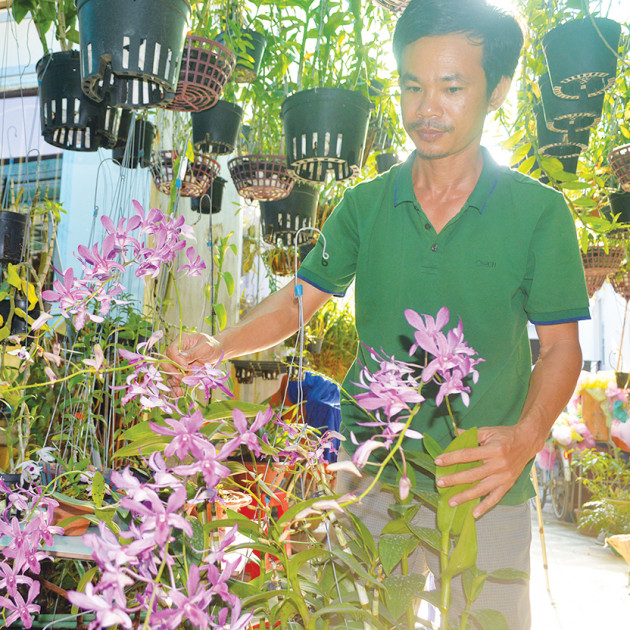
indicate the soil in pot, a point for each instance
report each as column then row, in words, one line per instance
column 131, row 51
column 325, row 129
column 12, row 232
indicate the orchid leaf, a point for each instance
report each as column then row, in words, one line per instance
column 221, row 314
column 428, row 536
column 365, row 535
column 223, row 409
column 473, row 581
column 98, row 489
column 464, row 555
column 490, row 619
column 392, row 548
column 433, row 597
column 401, row 592
column 228, row 278
column 431, row 445
column 422, row 460
column 508, row 575
column 430, row 498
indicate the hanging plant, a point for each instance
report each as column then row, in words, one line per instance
column 13, row 229
column 215, row 130
column 197, row 179
column 619, row 160
column 261, row 177
column 210, row 202
column 134, row 144
column 599, row 263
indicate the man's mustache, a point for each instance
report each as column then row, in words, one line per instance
column 433, row 125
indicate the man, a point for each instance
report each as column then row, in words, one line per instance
column 451, row 228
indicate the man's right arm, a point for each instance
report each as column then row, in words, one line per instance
column 273, row 320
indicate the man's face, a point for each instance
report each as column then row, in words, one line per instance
column 443, row 94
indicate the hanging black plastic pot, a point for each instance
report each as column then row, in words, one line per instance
column 19, row 325
column 384, row 161
column 12, row 233
column 138, row 146
column 619, row 205
column 564, row 145
column 582, row 56
column 249, row 48
column 69, row 119
column 562, row 114
column 211, row 200
column 215, row 130
column 282, row 219
column 324, row 130
column 131, row 50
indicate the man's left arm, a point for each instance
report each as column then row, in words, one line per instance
column 505, row 451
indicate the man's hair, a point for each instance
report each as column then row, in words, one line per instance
column 497, row 31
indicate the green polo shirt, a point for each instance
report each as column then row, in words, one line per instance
column 510, row 255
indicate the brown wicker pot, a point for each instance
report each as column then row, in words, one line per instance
column 599, row 264
column 621, row 284
column 199, row 174
column 619, row 160
column 261, row 177
column 206, row 68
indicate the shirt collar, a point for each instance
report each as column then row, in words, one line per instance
column 403, row 188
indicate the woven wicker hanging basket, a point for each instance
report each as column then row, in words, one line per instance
column 206, row 68
column 621, row 284
column 261, row 177
column 619, row 160
column 599, row 264
column 199, row 174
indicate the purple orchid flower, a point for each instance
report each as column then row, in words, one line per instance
column 22, row 609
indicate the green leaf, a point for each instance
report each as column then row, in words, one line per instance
column 473, row 581
column 513, row 140
column 433, row 597
column 428, row 536
column 222, row 409
column 508, row 574
column 490, row 619
column 98, row 489
column 365, row 535
column 464, row 555
column 520, row 153
column 85, row 578
column 221, row 314
column 146, row 446
column 422, row 460
column 527, row 164
column 229, row 282
column 431, row 445
column 20, row 8
column 402, row 592
column 392, row 548
column 430, row 498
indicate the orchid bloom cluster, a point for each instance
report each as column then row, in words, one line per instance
column 102, row 266
column 24, row 551
column 169, row 587
column 394, row 390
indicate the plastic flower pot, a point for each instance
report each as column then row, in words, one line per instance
column 619, row 160
column 69, row 119
column 261, row 177
column 281, row 219
column 215, row 130
column 12, row 234
column 582, row 56
column 206, row 68
column 199, row 174
column 131, row 50
column 19, row 325
column 563, row 114
column 249, row 47
column 325, row 130
column 384, row 161
column 568, row 144
column 211, row 201
column 134, row 151
column 620, row 204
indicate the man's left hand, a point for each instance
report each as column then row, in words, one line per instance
column 504, row 453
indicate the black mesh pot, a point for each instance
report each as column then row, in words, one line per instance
column 559, row 145
column 282, row 219
column 69, row 119
column 562, row 114
column 249, row 48
column 138, row 147
column 19, row 326
column 582, row 56
column 620, row 204
column 131, row 50
column 215, row 130
column 324, row 130
column 12, row 233
column 211, row 201
column 384, row 161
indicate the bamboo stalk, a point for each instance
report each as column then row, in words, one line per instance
column 541, row 531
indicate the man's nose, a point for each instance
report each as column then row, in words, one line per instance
column 429, row 105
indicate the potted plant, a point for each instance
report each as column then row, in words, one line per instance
column 135, row 141
column 131, row 51
column 199, row 174
column 210, row 202
column 13, row 229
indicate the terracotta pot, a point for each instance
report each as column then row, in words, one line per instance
column 77, row 527
column 270, row 474
column 230, row 500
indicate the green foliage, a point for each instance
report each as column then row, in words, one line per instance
column 46, row 13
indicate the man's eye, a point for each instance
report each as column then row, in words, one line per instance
column 412, row 88
column 453, row 90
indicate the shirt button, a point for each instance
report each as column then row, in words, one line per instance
column 434, row 247
column 427, row 226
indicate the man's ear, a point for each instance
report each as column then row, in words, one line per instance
column 499, row 94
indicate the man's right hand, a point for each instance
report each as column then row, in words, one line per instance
column 196, row 350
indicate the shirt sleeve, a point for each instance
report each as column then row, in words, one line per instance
column 331, row 264
column 554, row 282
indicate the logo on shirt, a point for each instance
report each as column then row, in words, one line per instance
column 489, row 264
